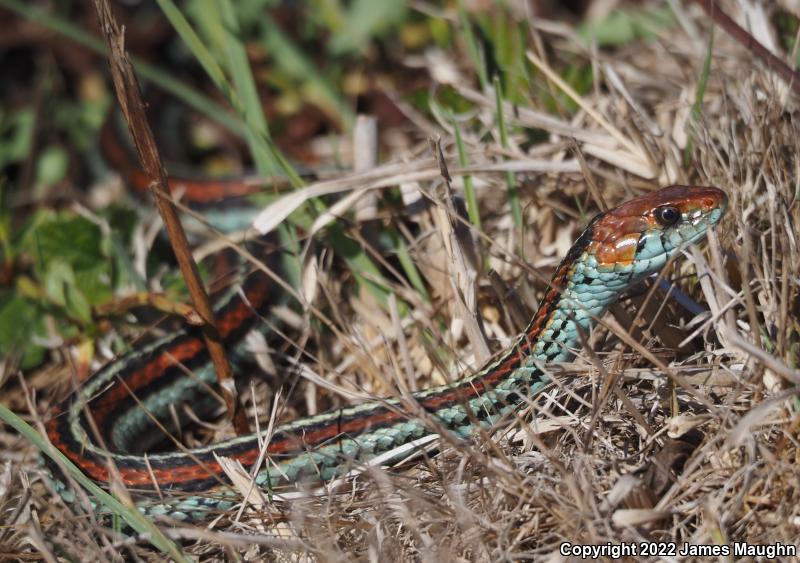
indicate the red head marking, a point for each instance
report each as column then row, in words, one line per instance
column 616, row 234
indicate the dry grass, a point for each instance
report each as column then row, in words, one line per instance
column 581, row 464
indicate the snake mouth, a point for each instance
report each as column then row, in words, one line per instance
column 706, row 203
column 703, row 208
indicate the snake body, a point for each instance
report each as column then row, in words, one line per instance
column 618, row 248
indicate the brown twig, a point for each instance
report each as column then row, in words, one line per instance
column 130, row 100
column 776, row 65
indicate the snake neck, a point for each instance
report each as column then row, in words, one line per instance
column 580, row 292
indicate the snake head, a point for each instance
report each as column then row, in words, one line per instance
column 639, row 236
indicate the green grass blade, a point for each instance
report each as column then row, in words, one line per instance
column 251, row 110
column 697, row 107
column 147, row 72
column 473, row 212
column 474, row 51
column 198, row 48
column 331, row 13
column 511, row 182
column 133, row 517
column 363, row 268
column 407, row 263
column 269, row 160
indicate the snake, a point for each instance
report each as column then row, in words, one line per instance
column 122, row 409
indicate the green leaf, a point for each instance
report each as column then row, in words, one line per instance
column 16, row 136
column 20, row 320
column 621, row 27
column 77, row 304
column 57, row 278
column 51, row 166
column 75, row 265
column 364, row 20
column 69, row 238
column 68, row 250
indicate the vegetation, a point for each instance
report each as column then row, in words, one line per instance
column 543, row 119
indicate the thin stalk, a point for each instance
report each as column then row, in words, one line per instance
column 511, row 182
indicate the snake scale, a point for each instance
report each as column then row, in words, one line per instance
column 127, row 396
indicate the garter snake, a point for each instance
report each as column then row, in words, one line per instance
column 618, row 248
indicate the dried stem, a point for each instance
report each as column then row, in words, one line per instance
column 776, row 65
column 130, row 100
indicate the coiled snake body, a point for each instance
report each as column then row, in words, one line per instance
column 124, row 398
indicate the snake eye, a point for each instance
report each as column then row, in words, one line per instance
column 667, row 215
